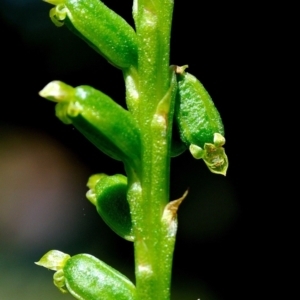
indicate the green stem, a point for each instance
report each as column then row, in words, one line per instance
column 149, row 185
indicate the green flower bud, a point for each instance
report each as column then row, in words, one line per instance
column 87, row 278
column 103, row 29
column 199, row 122
column 106, row 124
column 109, row 195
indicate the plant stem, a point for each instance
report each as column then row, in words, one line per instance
column 148, row 191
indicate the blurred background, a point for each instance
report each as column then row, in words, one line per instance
column 44, row 164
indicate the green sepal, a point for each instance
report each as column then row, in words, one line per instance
column 59, row 281
column 196, row 151
column 109, row 195
column 106, row 124
column 91, row 195
column 53, row 260
column 104, row 30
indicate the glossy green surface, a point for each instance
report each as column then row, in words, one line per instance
column 111, row 203
column 196, row 115
column 103, row 29
column 88, row 278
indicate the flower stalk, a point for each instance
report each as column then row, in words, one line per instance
column 136, row 206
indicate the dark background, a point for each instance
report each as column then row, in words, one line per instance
column 44, row 165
